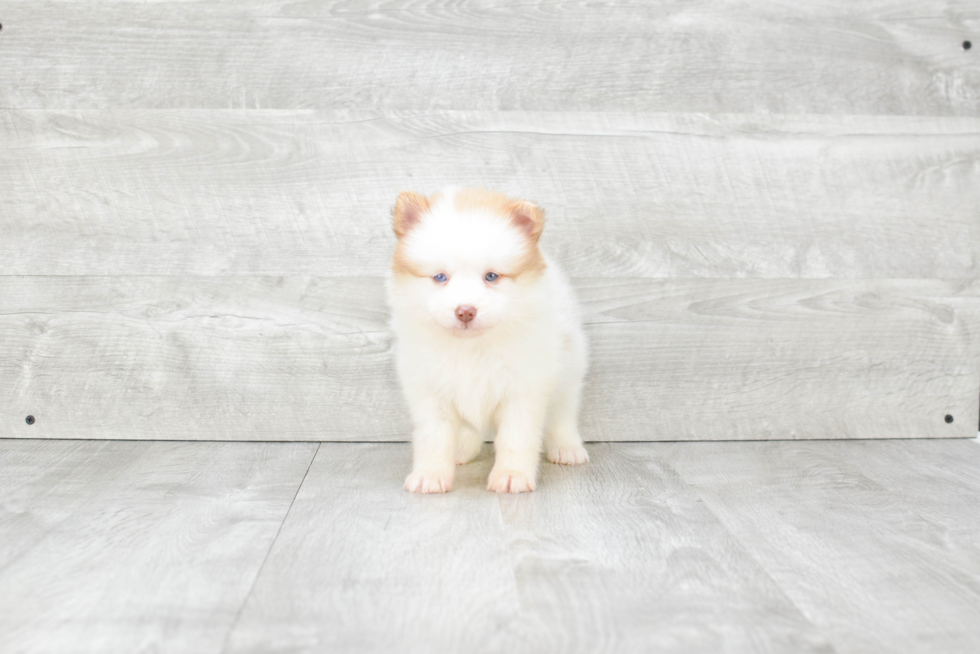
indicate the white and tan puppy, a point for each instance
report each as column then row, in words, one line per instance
column 489, row 339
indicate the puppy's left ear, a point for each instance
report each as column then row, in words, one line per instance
column 408, row 211
column 527, row 217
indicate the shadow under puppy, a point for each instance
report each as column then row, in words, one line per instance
column 489, row 339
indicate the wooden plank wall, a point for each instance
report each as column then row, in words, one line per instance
column 772, row 213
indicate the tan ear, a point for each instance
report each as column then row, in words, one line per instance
column 408, row 211
column 528, row 217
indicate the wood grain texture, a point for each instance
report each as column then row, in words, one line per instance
column 238, row 358
column 882, row 57
column 615, row 556
column 135, row 546
column 369, row 567
column 734, row 360
column 627, row 194
column 875, row 543
column 823, row 546
column 308, row 358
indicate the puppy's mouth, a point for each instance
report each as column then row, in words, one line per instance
column 466, row 329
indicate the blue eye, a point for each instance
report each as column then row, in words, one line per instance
column 491, row 276
column 440, row 278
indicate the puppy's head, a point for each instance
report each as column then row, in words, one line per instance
column 465, row 259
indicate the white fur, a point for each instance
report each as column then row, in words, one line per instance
column 515, row 371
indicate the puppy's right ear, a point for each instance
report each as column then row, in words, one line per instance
column 407, row 212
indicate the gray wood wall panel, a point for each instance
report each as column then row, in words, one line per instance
column 771, row 211
column 237, row 358
column 882, row 57
column 627, row 195
column 616, row 556
column 812, row 516
column 308, row 358
column 135, row 547
column 741, row 359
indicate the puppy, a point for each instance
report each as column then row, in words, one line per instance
column 489, row 339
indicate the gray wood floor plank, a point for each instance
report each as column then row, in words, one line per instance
column 627, row 194
column 618, row 556
column 621, row 556
column 362, row 566
column 875, row 548
column 882, row 57
column 130, row 546
column 822, row 546
column 306, row 358
column 45, row 483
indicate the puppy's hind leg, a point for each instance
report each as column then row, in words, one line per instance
column 562, row 442
column 469, row 442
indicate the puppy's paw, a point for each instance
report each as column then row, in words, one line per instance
column 568, row 455
column 429, row 482
column 509, row 481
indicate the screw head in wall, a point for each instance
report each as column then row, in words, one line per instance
column 29, row 420
column 949, row 419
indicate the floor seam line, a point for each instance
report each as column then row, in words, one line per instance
column 707, row 505
column 265, row 559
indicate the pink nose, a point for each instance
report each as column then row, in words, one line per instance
column 465, row 313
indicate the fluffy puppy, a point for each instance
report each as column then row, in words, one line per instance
column 489, row 339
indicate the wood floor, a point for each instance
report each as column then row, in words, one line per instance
column 195, row 547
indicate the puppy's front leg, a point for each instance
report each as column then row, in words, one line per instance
column 517, row 446
column 433, row 449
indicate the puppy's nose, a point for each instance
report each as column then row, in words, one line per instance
column 465, row 313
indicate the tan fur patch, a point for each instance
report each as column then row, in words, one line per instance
column 525, row 216
column 402, row 265
column 532, row 263
column 482, row 199
column 408, row 211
